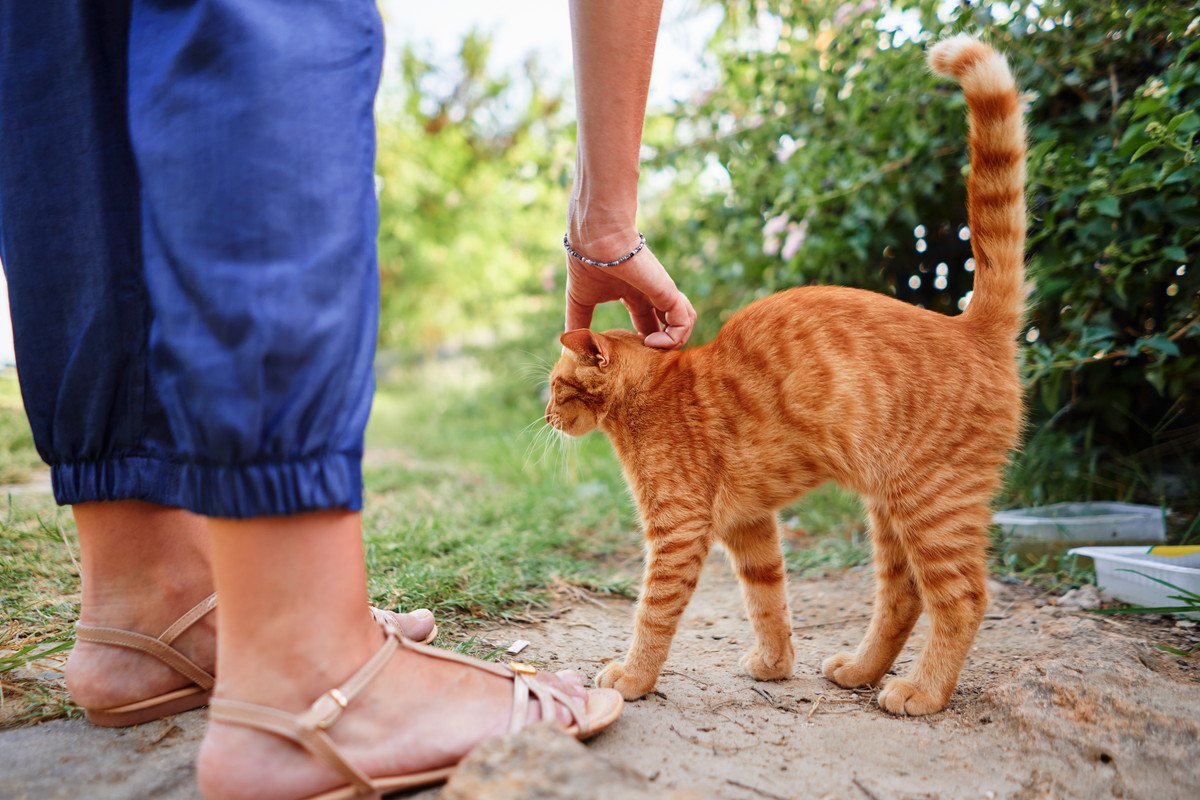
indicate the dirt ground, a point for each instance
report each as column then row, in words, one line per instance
column 1053, row 704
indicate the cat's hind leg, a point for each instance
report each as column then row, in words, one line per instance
column 897, row 607
column 674, row 560
column 946, row 543
column 757, row 559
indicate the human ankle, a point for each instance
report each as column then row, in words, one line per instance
column 147, row 604
column 289, row 670
column 293, row 621
column 168, row 573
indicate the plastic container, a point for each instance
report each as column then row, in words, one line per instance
column 1050, row 530
column 1126, row 572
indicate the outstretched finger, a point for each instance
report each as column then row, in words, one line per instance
column 579, row 315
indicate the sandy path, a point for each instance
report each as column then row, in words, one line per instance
column 1053, row 704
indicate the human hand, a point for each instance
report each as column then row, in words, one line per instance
column 658, row 310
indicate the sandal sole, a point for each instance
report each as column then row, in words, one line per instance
column 149, row 710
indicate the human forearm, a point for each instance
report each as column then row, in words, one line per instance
column 613, row 43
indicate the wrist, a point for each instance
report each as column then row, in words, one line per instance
column 602, row 233
column 605, row 247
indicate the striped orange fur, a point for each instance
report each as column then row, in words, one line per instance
column 914, row 410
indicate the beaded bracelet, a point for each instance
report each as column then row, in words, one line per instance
column 576, row 254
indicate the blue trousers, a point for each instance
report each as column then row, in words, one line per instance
column 187, row 225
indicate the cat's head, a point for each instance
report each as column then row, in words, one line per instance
column 594, row 372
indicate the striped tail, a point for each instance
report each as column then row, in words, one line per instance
column 996, row 186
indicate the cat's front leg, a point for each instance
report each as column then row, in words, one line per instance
column 754, row 551
column 674, row 560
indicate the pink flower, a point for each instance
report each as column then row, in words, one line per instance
column 775, row 225
column 771, row 231
column 797, row 233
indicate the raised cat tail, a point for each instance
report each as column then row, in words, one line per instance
column 996, row 186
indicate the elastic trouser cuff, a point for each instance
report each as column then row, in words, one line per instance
column 333, row 480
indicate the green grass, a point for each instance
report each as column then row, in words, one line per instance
column 18, row 459
column 469, row 515
column 39, row 594
column 827, row 533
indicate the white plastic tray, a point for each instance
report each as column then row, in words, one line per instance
column 1126, row 572
column 1089, row 523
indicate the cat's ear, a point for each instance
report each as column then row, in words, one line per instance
column 590, row 348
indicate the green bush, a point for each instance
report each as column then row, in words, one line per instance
column 828, row 154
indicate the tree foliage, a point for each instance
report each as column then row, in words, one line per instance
column 827, row 153
column 472, row 175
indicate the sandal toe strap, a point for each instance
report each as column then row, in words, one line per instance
column 548, row 697
column 525, row 683
column 520, row 704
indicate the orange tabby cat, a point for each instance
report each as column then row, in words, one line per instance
column 914, row 410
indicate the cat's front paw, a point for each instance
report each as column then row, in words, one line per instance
column 905, row 697
column 846, row 671
column 614, row 676
column 767, row 666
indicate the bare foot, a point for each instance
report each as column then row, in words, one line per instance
column 104, row 676
column 419, row 714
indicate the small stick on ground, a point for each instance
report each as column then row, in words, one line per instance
column 864, row 789
column 687, row 677
column 840, row 620
column 582, row 625
column 755, row 789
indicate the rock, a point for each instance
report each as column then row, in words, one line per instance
column 1086, row 597
column 70, row 759
column 1138, row 730
column 543, row 763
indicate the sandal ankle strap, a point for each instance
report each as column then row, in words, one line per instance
column 159, row 647
column 308, row 728
column 194, row 615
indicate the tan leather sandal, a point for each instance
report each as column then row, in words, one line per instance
column 179, row 700
column 309, row 730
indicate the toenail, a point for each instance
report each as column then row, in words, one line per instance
column 422, row 613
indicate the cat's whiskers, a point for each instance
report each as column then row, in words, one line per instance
column 533, row 440
column 536, row 370
column 568, row 448
column 533, row 373
column 541, row 439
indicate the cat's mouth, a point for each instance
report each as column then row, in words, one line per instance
column 555, row 420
